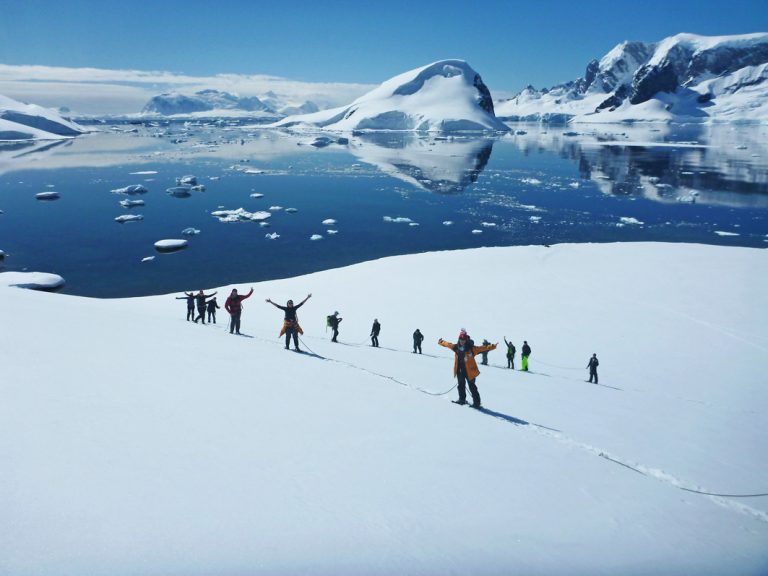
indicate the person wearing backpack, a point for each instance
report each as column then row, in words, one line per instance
column 291, row 327
column 510, row 354
column 418, row 337
column 234, row 305
column 333, row 322
column 526, row 352
column 375, row 333
column 464, row 366
column 592, row 365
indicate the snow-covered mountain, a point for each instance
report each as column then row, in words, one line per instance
column 19, row 121
column 217, row 102
column 683, row 77
column 446, row 96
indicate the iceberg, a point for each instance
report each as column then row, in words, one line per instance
column 170, row 245
column 129, row 218
column 131, row 190
column 32, row 280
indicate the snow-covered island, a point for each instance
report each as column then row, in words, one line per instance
column 19, row 121
column 445, row 96
column 121, row 453
column 683, row 78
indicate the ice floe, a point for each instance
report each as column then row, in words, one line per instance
column 179, row 191
column 447, row 222
column 47, row 196
column 488, row 224
column 630, row 220
column 190, row 231
column 531, row 181
column 329, row 222
column 143, row 173
column 148, row 259
column 316, row 237
column 535, row 219
column 332, row 232
column 257, row 195
column 723, row 233
column 272, row 236
column 275, row 208
column 398, row 220
column 129, row 218
column 131, row 203
column 198, row 188
column 188, row 180
column 291, row 210
column 476, row 231
column 131, row 190
column 240, row 215
column 32, row 280
column 170, row 245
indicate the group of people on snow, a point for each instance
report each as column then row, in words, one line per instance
column 465, row 368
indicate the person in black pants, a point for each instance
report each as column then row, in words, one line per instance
column 484, row 361
column 190, row 298
column 234, row 305
column 211, row 308
column 291, row 326
column 200, row 298
column 592, row 365
column 510, row 354
column 333, row 322
column 465, row 368
column 375, row 333
column 418, row 337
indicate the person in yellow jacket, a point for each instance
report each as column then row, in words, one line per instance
column 464, row 365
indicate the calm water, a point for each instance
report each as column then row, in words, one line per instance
column 543, row 186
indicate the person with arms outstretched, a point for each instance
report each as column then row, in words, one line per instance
column 464, row 366
column 201, row 298
column 234, row 305
column 291, row 326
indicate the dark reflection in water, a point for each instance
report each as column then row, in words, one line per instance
column 386, row 194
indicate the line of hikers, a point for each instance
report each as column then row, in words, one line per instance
column 465, row 368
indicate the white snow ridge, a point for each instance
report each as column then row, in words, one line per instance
column 446, row 96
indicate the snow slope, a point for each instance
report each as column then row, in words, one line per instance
column 445, row 96
column 685, row 77
column 20, row 121
column 134, row 442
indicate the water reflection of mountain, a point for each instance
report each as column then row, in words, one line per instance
column 13, row 154
column 443, row 165
column 718, row 165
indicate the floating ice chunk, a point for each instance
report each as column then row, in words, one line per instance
column 264, row 224
column 32, row 280
column 273, row 236
column 188, row 180
column 143, row 173
column 291, row 210
column 213, row 178
column 148, row 259
column 535, row 219
column 131, row 190
column 257, row 195
column 574, row 184
column 239, row 215
column 332, row 232
column 198, row 188
column 275, row 208
column 413, row 224
column 398, row 220
column 254, row 171
column 170, row 245
column 488, row 224
column 129, row 218
column 722, row 233
column 47, row 196
column 131, row 203
column 316, row 237
column 630, row 220
column 190, row 231
column 531, row 181
column 447, row 222
column 741, row 147
column 476, row 231
column 179, row 191
column 329, row 222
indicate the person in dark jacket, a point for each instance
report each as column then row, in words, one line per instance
column 592, row 365
column 525, row 353
column 291, row 327
column 200, row 299
column 333, row 322
column 211, row 308
column 510, row 354
column 234, row 305
column 464, row 366
column 484, row 361
column 375, row 333
column 190, row 298
column 418, row 337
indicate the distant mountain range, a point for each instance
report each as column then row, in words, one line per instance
column 19, row 121
column 216, row 102
column 682, row 78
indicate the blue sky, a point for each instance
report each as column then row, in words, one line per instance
column 511, row 43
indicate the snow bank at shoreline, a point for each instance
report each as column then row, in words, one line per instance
column 136, row 442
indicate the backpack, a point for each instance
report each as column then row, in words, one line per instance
column 328, row 321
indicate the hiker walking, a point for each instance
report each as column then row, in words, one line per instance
column 465, row 367
column 418, row 337
column 234, row 305
column 510, row 354
column 190, row 298
column 200, row 299
column 375, row 333
column 592, row 365
column 525, row 353
column 211, row 307
column 291, row 326
column 333, row 321
column 484, row 361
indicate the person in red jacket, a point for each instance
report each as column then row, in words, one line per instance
column 234, row 306
column 464, row 365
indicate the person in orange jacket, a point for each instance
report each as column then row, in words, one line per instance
column 464, row 365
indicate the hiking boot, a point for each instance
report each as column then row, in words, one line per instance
column 459, row 401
